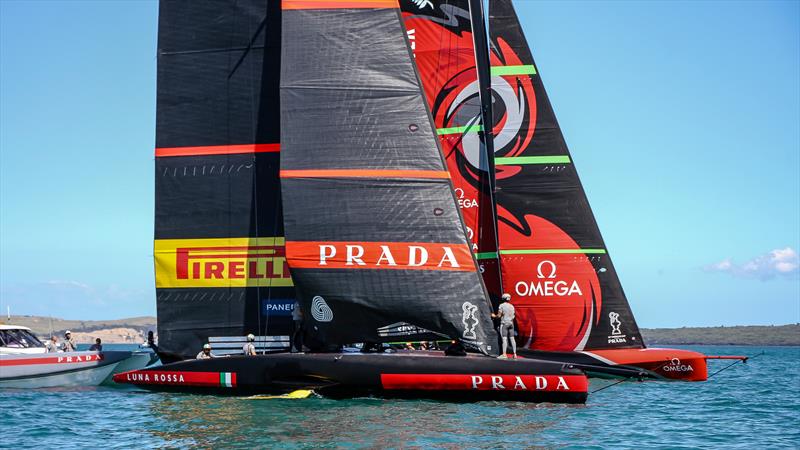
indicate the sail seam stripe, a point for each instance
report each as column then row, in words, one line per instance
column 486, row 255
column 513, row 70
column 459, row 130
column 545, row 251
column 162, row 152
column 338, row 4
column 525, row 160
column 364, row 173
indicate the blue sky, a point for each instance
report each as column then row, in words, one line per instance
column 683, row 119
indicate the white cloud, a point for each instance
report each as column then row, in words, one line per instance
column 782, row 262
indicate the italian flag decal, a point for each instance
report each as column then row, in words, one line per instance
column 227, row 379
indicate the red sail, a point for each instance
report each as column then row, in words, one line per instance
column 554, row 261
column 441, row 39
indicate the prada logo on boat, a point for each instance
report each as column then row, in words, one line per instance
column 616, row 334
column 379, row 255
column 79, row 358
column 320, row 310
column 469, row 320
column 224, row 262
column 487, row 382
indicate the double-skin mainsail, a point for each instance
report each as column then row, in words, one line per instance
column 373, row 231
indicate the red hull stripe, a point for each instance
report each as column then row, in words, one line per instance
column 217, row 150
column 65, row 359
column 359, row 173
column 485, row 382
column 175, row 378
column 379, row 255
column 338, row 4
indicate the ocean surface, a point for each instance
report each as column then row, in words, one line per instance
column 753, row 405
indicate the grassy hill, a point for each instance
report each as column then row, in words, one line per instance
column 737, row 335
column 43, row 325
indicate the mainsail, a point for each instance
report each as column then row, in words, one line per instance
column 219, row 254
column 443, row 43
column 554, row 261
column 374, row 235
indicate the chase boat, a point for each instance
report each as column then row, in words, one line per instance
column 25, row 362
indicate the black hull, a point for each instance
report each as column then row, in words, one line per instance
column 346, row 375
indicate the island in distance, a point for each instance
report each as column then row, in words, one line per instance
column 134, row 330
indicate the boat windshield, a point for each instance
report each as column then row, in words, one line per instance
column 19, row 339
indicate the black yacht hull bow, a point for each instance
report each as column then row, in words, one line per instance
column 346, row 375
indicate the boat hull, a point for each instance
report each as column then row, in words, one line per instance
column 137, row 360
column 58, row 369
column 659, row 363
column 346, row 375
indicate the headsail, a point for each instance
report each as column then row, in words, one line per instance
column 442, row 40
column 219, row 255
column 554, row 261
column 374, row 236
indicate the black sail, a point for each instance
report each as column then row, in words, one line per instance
column 219, row 255
column 553, row 257
column 373, row 231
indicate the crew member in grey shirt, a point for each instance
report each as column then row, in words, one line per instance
column 249, row 348
column 205, row 353
column 69, row 344
column 506, row 313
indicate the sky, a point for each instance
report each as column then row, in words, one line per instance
column 683, row 119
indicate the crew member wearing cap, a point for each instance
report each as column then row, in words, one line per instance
column 249, row 348
column 69, row 344
column 506, row 313
column 205, row 353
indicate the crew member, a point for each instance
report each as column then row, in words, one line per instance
column 97, row 346
column 506, row 313
column 69, row 343
column 151, row 341
column 297, row 328
column 249, row 348
column 52, row 345
column 205, row 353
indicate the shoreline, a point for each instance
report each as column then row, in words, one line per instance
column 134, row 330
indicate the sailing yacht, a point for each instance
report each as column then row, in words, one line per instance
column 336, row 153
column 373, row 234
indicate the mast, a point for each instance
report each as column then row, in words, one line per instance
column 481, row 47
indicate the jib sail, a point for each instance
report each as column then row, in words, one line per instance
column 374, row 235
column 553, row 258
column 219, row 250
column 440, row 33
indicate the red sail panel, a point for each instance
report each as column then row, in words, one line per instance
column 554, row 261
column 441, row 39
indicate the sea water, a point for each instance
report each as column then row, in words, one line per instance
column 753, row 405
